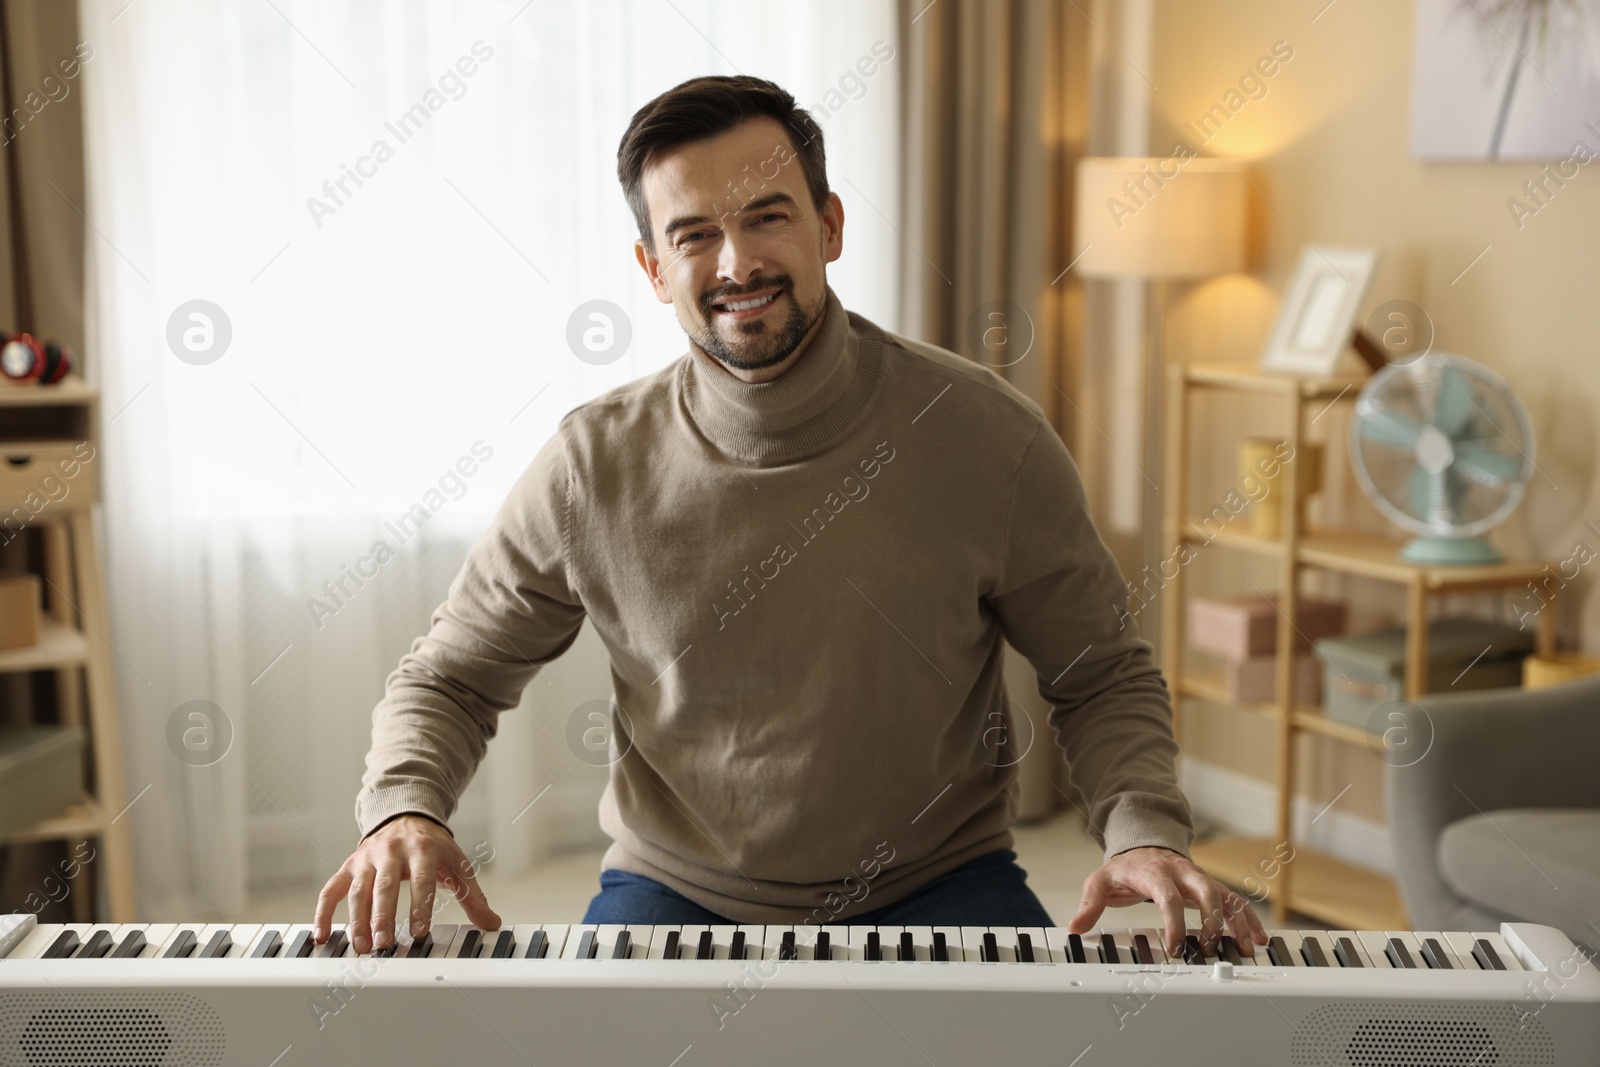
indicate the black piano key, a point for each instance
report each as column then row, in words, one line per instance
column 990, row 953
column 1278, row 952
column 338, row 943
column 1311, row 949
column 786, row 947
column 941, row 947
column 706, row 949
column 504, row 945
column 1344, row 950
column 182, row 946
column 98, row 945
column 1141, row 950
column 736, row 947
column 1486, row 956
column 131, row 946
column 471, row 945
column 1024, row 948
column 586, row 945
column 623, row 948
column 1434, row 956
column 1228, row 949
column 537, row 944
column 1075, row 951
column 301, row 946
column 1398, row 956
column 1193, row 954
column 823, row 949
column 420, row 947
column 217, row 947
column 65, row 944
column 908, row 948
column 271, row 944
column 874, row 949
column 1108, row 949
column 671, row 950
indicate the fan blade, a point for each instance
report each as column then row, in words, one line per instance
column 1387, row 427
column 1485, row 465
column 1455, row 403
column 1431, row 500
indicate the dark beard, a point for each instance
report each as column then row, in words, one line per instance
column 781, row 346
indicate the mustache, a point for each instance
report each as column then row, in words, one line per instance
column 781, row 283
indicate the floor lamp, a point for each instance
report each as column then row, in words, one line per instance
column 1155, row 219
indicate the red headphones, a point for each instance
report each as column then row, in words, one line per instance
column 24, row 358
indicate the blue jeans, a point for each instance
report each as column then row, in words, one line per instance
column 988, row 891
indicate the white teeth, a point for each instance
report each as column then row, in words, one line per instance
column 744, row 305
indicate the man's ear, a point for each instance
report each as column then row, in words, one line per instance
column 652, row 269
column 832, row 228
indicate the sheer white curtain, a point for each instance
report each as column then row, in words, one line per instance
column 393, row 341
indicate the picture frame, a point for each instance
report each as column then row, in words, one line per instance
column 1318, row 317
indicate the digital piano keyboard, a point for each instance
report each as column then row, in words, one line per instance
column 199, row 995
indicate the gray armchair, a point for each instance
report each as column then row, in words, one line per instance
column 1501, row 819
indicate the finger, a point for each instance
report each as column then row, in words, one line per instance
column 328, row 900
column 1257, row 931
column 470, row 894
column 359, row 915
column 1164, row 892
column 1238, row 911
column 385, row 896
column 1095, row 890
column 423, row 863
column 1200, row 888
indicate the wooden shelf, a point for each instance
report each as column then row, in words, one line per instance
column 70, row 390
column 81, row 820
column 1249, row 378
column 59, row 646
column 1340, row 894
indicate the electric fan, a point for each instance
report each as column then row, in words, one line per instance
column 1444, row 448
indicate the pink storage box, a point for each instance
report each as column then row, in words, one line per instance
column 1238, row 627
column 1250, row 681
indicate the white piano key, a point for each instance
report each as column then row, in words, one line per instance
column 1291, row 941
column 521, row 933
column 658, row 943
column 1041, row 948
column 1123, row 936
column 754, row 941
column 1005, row 939
column 262, row 931
column 444, row 938
column 556, row 934
column 972, row 942
column 206, row 933
column 174, row 931
column 1455, row 961
column 1503, row 950
column 772, row 941
column 90, row 931
column 575, row 939
column 639, row 935
column 889, row 942
column 689, row 940
column 722, row 940
column 1374, row 941
column 921, row 943
column 1059, row 941
column 805, row 940
column 858, row 941
column 40, row 938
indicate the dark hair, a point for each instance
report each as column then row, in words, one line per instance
column 705, row 107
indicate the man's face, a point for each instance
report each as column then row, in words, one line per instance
column 733, row 221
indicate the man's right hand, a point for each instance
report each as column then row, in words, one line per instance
column 409, row 849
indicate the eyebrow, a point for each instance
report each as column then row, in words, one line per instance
column 755, row 205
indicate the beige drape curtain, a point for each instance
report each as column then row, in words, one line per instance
column 996, row 96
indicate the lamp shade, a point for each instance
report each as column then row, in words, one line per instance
column 1171, row 217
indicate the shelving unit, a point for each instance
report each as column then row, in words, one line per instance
column 1312, row 883
column 40, row 425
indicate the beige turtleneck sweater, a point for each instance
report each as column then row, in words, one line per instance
column 803, row 586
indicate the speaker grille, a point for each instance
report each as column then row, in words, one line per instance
column 1379, row 1034
column 109, row 1030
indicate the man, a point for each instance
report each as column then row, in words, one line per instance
column 802, row 544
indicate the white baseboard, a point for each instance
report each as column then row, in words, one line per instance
column 1243, row 805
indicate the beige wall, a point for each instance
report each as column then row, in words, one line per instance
column 1329, row 143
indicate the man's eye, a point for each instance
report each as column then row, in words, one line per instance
column 769, row 215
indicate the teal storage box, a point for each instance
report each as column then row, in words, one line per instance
column 1365, row 671
column 41, row 774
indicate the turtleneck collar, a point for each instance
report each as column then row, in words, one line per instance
column 801, row 411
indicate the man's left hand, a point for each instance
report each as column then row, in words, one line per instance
column 1161, row 875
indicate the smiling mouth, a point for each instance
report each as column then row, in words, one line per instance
column 746, row 306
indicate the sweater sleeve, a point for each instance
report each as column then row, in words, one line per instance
column 1061, row 602
column 511, row 608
